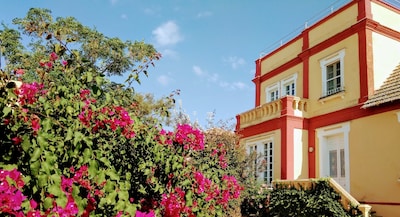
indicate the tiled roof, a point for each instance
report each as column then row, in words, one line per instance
column 388, row 92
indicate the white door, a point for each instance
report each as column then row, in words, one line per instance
column 336, row 159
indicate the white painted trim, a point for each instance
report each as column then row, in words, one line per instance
column 322, row 134
column 338, row 56
column 398, row 116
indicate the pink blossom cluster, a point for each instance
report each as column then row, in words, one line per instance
column 11, row 196
column 205, row 185
column 52, row 58
column 222, row 196
column 174, row 204
column 28, row 93
column 221, row 152
column 116, row 117
column 190, row 138
column 232, row 190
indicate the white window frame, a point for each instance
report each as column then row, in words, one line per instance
column 272, row 89
column 324, row 63
column 289, row 82
column 267, row 173
column 279, row 88
column 269, row 158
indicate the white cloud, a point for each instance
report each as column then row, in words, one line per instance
column 170, row 53
column 113, row 2
column 204, row 14
column 124, row 16
column 214, row 78
column 164, row 80
column 198, row 71
column 235, row 62
column 239, row 85
column 167, row 34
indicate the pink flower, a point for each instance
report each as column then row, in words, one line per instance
column 19, row 71
column 53, row 56
column 64, row 62
column 84, row 93
column 49, row 64
column 145, row 214
column 35, row 123
column 66, row 184
column 188, row 137
column 17, row 140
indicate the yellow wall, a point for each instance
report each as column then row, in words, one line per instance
column 333, row 26
column 282, row 56
column 351, row 79
column 375, row 159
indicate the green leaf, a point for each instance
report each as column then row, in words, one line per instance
column 189, row 199
column 89, row 76
column 35, row 166
column 42, row 180
column 26, row 144
column 6, row 110
column 48, row 203
column 69, row 134
column 55, row 190
column 36, row 154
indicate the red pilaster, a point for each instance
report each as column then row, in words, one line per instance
column 364, row 9
column 257, row 82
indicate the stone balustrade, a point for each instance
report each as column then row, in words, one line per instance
column 289, row 105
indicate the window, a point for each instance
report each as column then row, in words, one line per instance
column 261, row 167
column 288, row 86
column 282, row 88
column 268, row 157
column 272, row 92
column 254, row 154
column 333, row 74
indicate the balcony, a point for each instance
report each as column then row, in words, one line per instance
column 289, row 105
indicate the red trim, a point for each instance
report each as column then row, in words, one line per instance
column 364, row 9
column 311, row 155
column 365, row 64
column 237, row 123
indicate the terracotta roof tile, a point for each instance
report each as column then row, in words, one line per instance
column 388, row 92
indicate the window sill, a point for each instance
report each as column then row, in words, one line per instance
column 339, row 94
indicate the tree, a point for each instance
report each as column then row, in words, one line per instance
column 75, row 144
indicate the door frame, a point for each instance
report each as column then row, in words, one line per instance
column 322, row 134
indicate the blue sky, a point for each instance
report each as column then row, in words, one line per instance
column 209, row 46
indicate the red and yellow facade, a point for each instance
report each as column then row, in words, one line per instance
column 319, row 127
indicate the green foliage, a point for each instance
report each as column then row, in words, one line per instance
column 318, row 200
column 80, row 140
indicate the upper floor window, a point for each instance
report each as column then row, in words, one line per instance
column 332, row 69
column 272, row 92
column 282, row 88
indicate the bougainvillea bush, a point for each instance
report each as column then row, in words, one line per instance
column 72, row 143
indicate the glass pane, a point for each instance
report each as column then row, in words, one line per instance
column 329, row 72
column 338, row 82
column 330, row 85
column 338, row 69
column 333, row 163
column 342, row 164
